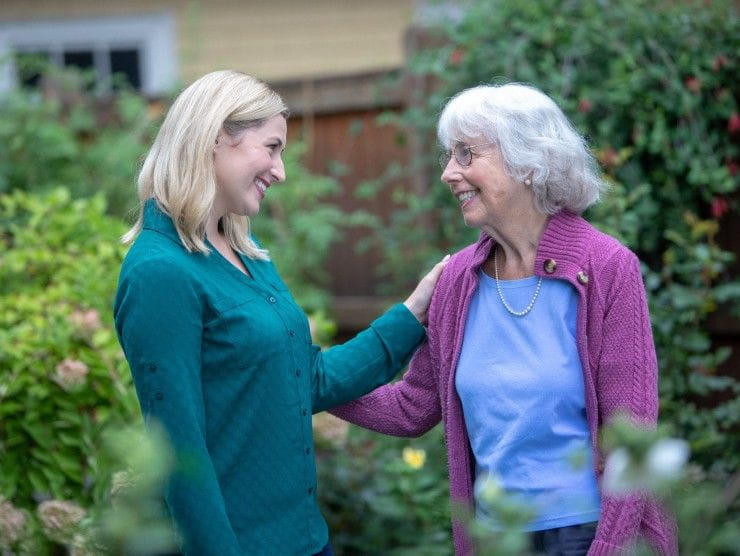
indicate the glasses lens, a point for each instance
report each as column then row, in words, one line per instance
column 444, row 159
column 463, row 155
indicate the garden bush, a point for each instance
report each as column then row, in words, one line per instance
column 63, row 378
column 61, row 134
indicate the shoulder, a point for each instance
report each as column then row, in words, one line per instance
column 467, row 257
column 157, row 262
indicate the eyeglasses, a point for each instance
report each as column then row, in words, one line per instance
column 463, row 154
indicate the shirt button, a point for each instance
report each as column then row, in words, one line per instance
column 272, row 299
column 152, row 367
column 308, row 451
column 291, row 332
column 550, row 266
column 304, row 412
column 310, row 490
column 582, row 277
column 159, row 396
column 297, row 372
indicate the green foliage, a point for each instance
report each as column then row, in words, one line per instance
column 652, row 85
column 132, row 520
column 65, row 136
column 298, row 224
column 385, row 495
column 63, row 378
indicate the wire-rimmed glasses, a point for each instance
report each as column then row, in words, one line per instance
column 463, row 154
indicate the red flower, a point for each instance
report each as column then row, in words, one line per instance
column 719, row 207
column 584, row 106
column 693, row 84
column 456, row 56
column 733, row 124
column 719, row 62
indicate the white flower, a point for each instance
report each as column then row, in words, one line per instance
column 85, row 321
column 12, row 524
column 59, row 519
column 617, row 472
column 70, row 373
column 666, row 458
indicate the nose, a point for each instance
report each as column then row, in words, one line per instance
column 447, row 172
column 278, row 169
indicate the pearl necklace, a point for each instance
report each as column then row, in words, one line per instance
column 528, row 308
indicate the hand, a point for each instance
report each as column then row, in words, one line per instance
column 418, row 301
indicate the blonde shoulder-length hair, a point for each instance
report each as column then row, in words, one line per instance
column 178, row 172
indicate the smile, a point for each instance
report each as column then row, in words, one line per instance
column 466, row 195
column 261, row 185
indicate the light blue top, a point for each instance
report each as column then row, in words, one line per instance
column 521, row 385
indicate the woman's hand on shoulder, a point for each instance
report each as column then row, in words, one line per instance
column 418, row 301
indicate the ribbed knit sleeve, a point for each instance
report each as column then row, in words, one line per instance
column 627, row 382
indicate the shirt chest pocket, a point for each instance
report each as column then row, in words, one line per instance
column 245, row 333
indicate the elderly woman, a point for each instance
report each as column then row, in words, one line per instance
column 538, row 333
column 220, row 353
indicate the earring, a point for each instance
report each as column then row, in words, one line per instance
column 527, row 182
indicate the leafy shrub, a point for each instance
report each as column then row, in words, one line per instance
column 61, row 135
column 653, row 87
column 63, row 379
column 383, row 495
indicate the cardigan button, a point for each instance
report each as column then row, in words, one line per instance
column 159, row 396
column 310, row 490
column 272, row 299
column 291, row 332
column 550, row 266
column 582, row 277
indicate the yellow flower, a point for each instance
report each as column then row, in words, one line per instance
column 414, row 458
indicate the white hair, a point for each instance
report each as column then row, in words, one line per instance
column 535, row 139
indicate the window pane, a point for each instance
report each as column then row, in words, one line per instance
column 125, row 63
column 82, row 59
column 31, row 66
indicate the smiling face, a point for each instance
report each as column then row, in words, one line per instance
column 485, row 191
column 246, row 165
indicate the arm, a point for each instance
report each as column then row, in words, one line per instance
column 368, row 360
column 627, row 381
column 159, row 322
column 409, row 407
column 377, row 354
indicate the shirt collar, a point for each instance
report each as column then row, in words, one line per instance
column 156, row 219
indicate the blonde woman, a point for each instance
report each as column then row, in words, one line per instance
column 220, row 353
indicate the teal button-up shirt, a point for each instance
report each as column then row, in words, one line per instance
column 225, row 363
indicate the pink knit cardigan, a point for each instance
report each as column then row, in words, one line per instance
column 617, row 354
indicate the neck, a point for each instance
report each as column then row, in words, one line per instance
column 518, row 240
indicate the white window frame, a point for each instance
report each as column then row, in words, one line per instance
column 153, row 35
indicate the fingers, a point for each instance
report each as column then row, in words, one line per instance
column 418, row 301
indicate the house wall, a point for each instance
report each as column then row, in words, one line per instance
column 275, row 40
